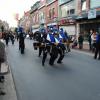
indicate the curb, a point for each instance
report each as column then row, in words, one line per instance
column 13, row 82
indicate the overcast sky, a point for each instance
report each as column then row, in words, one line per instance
column 8, row 8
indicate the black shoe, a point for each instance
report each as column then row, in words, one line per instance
column 39, row 55
column 59, row 62
column 42, row 64
column 50, row 63
column 99, row 58
column 2, row 93
column 1, row 80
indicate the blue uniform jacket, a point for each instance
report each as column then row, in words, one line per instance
column 98, row 38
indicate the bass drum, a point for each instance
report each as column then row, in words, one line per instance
column 36, row 45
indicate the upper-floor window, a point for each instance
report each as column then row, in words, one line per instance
column 42, row 3
column 83, row 4
column 52, row 13
column 94, row 3
column 36, row 17
column 33, row 19
column 63, row 1
column 41, row 16
column 72, row 11
column 64, row 11
column 49, row 1
column 68, row 9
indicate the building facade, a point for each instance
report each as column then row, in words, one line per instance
column 52, row 13
column 25, row 21
column 35, row 16
column 67, row 10
column 88, row 16
column 42, row 14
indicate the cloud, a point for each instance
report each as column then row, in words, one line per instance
column 10, row 7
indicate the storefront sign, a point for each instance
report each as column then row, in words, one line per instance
column 92, row 14
column 35, row 26
column 51, row 24
column 67, row 21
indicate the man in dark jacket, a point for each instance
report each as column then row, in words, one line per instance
column 97, row 51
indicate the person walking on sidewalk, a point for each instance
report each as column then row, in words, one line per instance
column 97, row 51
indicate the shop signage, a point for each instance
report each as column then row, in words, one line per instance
column 92, row 14
column 35, row 26
column 67, row 21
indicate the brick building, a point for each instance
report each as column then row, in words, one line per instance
column 52, row 13
column 42, row 14
column 34, row 12
column 67, row 11
column 88, row 16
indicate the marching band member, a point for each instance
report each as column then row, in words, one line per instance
column 49, row 41
column 61, row 48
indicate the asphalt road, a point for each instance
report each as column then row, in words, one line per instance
column 78, row 78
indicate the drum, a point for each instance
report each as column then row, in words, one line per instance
column 36, row 45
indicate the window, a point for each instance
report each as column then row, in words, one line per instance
column 68, row 12
column 64, row 10
column 42, row 3
column 41, row 17
column 53, row 12
column 36, row 18
column 68, row 9
column 50, row 13
column 33, row 19
column 72, row 11
column 94, row 3
column 63, row 1
column 83, row 4
column 49, row 1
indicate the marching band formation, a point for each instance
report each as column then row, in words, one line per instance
column 53, row 43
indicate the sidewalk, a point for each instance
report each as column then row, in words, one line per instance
column 85, row 48
column 9, row 88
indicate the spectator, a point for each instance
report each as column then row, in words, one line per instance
column 89, row 39
column 93, row 41
column 97, row 51
column 2, row 59
column 80, row 41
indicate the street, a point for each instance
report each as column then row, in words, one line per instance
column 77, row 78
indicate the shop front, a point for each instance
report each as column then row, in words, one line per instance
column 86, row 24
column 35, row 28
column 68, row 25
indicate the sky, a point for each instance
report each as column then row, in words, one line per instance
column 8, row 8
